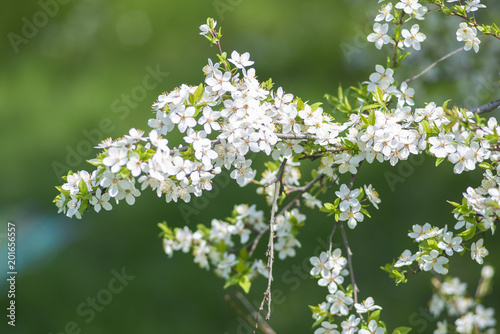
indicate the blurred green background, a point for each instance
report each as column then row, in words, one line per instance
column 77, row 76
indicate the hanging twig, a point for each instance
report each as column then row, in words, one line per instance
column 331, row 238
column 270, row 250
column 349, row 262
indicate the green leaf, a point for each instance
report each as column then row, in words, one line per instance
column 468, row 233
column 245, row 283
column 401, row 330
column 371, row 106
column 432, row 243
column 371, row 118
column 164, row 227
column 240, row 267
column 198, row 94
column 95, row 162
column 268, row 85
column 316, row 105
column 319, row 321
column 272, row 166
column 383, row 325
column 387, row 268
column 379, row 95
column 375, row 315
column 404, row 55
column 232, row 281
column 445, row 103
column 426, row 126
column 82, row 186
column 329, row 207
column 83, row 206
column 244, row 253
column 361, row 194
column 455, row 204
column 485, row 165
column 439, row 161
column 300, row 104
column 363, row 211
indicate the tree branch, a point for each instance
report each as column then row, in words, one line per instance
column 295, row 200
column 486, row 107
column 467, row 19
column 295, row 136
column 262, row 323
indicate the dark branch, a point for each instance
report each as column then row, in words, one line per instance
column 486, row 107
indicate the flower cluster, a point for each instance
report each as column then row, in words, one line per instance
column 450, row 297
column 407, row 38
column 216, row 246
column 435, row 246
column 467, row 34
column 330, row 269
column 347, row 206
column 231, row 116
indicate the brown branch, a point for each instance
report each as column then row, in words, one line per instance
column 434, row 64
column 270, row 251
column 238, row 311
column 396, row 42
column 331, row 239
column 301, row 190
column 296, row 136
column 262, row 323
column 349, row 262
column 467, row 19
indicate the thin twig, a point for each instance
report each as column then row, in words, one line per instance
column 353, row 177
column 331, row 239
column 349, row 262
column 279, row 135
column 468, row 20
column 346, row 244
column 434, row 64
column 270, row 249
column 301, row 190
column 486, row 107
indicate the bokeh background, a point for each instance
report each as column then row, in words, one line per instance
column 77, row 76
